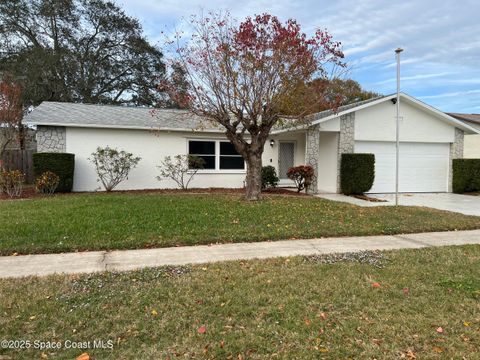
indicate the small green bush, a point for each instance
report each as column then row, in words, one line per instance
column 62, row 164
column 269, row 177
column 466, row 175
column 357, row 173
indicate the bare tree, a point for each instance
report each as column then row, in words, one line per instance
column 250, row 77
column 11, row 114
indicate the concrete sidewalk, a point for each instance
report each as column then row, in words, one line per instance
column 87, row 262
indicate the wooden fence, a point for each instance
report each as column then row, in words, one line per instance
column 20, row 160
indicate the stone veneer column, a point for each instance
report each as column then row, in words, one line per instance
column 456, row 152
column 51, row 139
column 311, row 156
column 346, row 140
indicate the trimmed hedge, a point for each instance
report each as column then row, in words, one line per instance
column 357, row 173
column 466, row 175
column 61, row 164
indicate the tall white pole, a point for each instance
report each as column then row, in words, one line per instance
column 397, row 132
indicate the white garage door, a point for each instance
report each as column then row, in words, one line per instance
column 423, row 166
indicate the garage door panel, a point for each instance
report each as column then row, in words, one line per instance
column 423, row 166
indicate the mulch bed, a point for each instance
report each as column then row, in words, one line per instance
column 368, row 198
column 29, row 192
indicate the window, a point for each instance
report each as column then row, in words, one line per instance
column 218, row 155
column 229, row 158
column 204, row 150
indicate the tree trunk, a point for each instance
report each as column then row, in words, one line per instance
column 254, row 177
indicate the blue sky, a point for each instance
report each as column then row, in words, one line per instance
column 440, row 64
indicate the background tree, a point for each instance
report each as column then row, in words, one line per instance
column 345, row 91
column 11, row 114
column 78, row 50
column 246, row 76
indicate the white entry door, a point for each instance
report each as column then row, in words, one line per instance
column 423, row 167
column 286, row 158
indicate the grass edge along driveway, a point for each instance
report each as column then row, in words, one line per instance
column 129, row 221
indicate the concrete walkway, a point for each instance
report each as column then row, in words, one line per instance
column 87, row 262
column 463, row 204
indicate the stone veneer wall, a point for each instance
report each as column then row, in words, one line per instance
column 51, row 139
column 456, row 152
column 311, row 156
column 346, row 140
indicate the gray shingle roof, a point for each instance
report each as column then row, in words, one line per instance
column 111, row 116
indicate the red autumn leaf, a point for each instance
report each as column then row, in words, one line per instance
column 323, row 316
column 202, row 329
column 376, row 285
column 440, row 330
column 307, row 321
column 406, row 291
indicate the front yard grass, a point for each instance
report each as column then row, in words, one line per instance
column 426, row 306
column 127, row 221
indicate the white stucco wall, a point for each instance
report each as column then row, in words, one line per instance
column 471, row 149
column 152, row 148
column 328, row 162
column 377, row 123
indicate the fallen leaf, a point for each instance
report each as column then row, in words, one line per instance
column 323, row 350
column 32, row 317
column 438, row 349
column 440, row 330
column 323, row 316
column 465, row 323
column 43, row 355
column 222, row 344
column 376, row 285
column 307, row 321
column 202, row 329
column 411, row 355
column 83, row 356
column 406, row 291
column 154, row 312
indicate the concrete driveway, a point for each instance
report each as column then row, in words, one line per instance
column 464, row 204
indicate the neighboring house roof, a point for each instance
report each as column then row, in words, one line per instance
column 471, row 118
column 50, row 113
column 343, row 110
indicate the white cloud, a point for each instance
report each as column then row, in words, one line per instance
column 440, row 38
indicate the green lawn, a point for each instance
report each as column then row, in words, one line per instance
column 122, row 221
column 296, row 308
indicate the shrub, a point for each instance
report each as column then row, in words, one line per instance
column 357, row 173
column 302, row 175
column 47, row 183
column 181, row 169
column 113, row 166
column 11, row 182
column 61, row 164
column 466, row 175
column 269, row 177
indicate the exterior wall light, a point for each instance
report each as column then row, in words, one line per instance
column 272, row 142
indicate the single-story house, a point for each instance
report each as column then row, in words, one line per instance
column 430, row 139
column 472, row 141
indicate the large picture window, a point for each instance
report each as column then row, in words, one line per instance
column 218, row 155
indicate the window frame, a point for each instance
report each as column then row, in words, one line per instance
column 217, row 169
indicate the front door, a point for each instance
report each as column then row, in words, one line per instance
column 286, row 158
